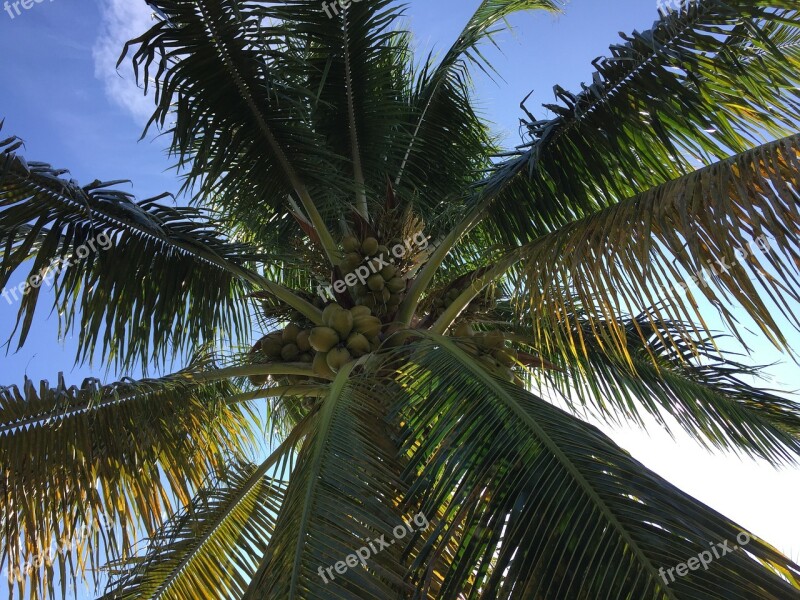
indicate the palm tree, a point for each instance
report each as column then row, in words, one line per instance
column 421, row 419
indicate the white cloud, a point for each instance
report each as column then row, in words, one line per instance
column 122, row 20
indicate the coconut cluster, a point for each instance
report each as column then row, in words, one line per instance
column 347, row 334
column 287, row 345
column 383, row 289
column 442, row 301
column 344, row 336
column 490, row 349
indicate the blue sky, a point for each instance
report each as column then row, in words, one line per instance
column 63, row 96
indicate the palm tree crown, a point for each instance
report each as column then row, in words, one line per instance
column 410, row 284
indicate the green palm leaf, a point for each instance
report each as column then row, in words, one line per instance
column 110, row 459
column 210, row 548
column 702, row 83
column 442, row 96
column 706, row 392
column 352, row 62
column 237, row 112
column 727, row 232
column 115, row 262
column 342, row 494
column 543, row 505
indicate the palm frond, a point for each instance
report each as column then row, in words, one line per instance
column 141, row 280
column 231, row 83
column 109, row 459
column 211, row 548
column 442, row 95
column 728, row 233
column 342, row 495
column 703, row 83
column 544, row 506
column 706, row 392
column 353, row 61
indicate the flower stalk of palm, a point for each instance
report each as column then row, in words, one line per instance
column 312, row 146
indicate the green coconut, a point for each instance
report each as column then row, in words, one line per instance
column 290, row 352
column 350, row 243
column 358, row 344
column 337, row 358
column 342, row 322
column 320, row 365
column 360, row 311
column 322, row 339
column 369, row 246
column 369, row 326
column 289, row 334
column 302, row 340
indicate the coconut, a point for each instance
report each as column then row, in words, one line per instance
column 375, row 282
column 358, row 344
column 322, row 339
column 351, row 262
column 463, row 329
column 272, row 344
column 350, row 243
column 320, row 365
column 290, row 352
column 360, row 311
column 289, row 334
column 342, row 322
column 302, row 340
column 396, row 285
column 385, row 295
column 369, row 247
column 396, row 336
column 369, row 326
column 337, row 358
column 328, row 313
column 388, row 272
column 306, row 357
column 494, row 339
